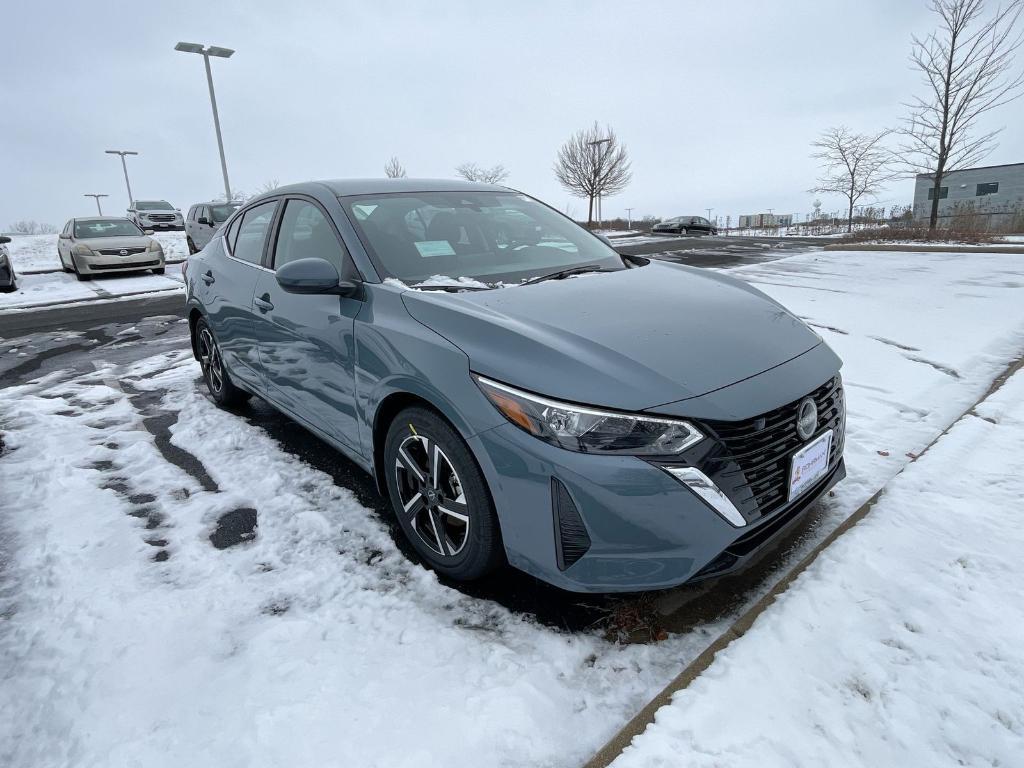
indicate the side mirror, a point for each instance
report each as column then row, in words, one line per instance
column 148, row 231
column 314, row 276
column 4, row 239
column 206, row 221
column 63, row 236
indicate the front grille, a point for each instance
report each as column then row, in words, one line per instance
column 117, row 251
column 160, row 216
column 754, row 470
column 132, row 265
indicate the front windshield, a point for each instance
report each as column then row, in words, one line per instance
column 154, row 205
column 86, row 228
column 222, row 212
column 490, row 237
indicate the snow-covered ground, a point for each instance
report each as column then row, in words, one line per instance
column 901, row 645
column 318, row 643
column 38, row 253
column 49, row 288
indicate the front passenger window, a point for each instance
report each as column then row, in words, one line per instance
column 305, row 233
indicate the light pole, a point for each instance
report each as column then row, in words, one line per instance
column 206, row 53
column 124, row 167
column 629, row 218
column 597, row 143
column 97, row 198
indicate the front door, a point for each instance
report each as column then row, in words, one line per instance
column 307, row 342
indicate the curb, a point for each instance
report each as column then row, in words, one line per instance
column 638, row 724
column 925, row 248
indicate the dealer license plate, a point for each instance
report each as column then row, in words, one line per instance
column 809, row 464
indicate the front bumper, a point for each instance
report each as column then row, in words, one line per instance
column 163, row 226
column 646, row 530
column 103, row 265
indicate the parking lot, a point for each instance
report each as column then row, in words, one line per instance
column 190, row 579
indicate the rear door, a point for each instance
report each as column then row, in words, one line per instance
column 227, row 281
column 306, row 342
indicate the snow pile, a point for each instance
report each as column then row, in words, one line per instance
column 35, row 290
column 443, row 281
column 900, row 646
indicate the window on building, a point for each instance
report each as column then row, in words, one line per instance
column 990, row 188
column 943, row 193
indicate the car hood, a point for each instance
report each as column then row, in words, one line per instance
column 631, row 339
column 111, row 243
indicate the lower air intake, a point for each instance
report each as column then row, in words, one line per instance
column 571, row 538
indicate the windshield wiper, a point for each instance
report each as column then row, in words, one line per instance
column 452, row 288
column 563, row 273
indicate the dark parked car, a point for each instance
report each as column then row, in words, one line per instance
column 685, row 225
column 8, row 280
column 519, row 390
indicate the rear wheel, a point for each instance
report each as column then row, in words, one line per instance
column 440, row 496
column 682, row 230
column 192, row 250
column 218, row 381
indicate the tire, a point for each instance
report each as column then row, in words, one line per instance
column 9, row 288
column 63, row 266
column 682, row 231
column 192, row 250
column 216, row 376
column 468, row 544
column 159, row 270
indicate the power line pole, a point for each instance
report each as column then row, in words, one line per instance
column 97, row 198
column 629, row 218
column 598, row 143
column 124, row 167
column 206, row 53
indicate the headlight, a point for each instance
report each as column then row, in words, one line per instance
column 154, row 246
column 589, row 430
column 81, row 250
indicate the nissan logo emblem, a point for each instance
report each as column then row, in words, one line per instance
column 124, row 252
column 806, row 418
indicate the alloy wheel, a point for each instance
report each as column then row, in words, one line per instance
column 431, row 495
column 210, row 361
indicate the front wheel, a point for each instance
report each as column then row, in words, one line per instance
column 440, row 496
column 192, row 250
column 159, row 270
column 682, row 231
column 216, row 376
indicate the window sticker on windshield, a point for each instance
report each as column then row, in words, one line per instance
column 429, row 248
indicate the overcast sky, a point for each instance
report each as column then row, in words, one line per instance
column 716, row 102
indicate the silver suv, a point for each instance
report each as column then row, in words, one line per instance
column 203, row 220
column 156, row 214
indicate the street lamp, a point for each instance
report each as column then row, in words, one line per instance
column 124, row 167
column 97, row 198
column 206, row 53
column 597, row 143
column 629, row 218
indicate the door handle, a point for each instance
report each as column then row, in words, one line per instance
column 208, row 278
column 263, row 303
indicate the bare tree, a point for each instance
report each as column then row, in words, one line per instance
column 394, row 169
column 237, row 196
column 854, row 165
column 24, row 227
column 473, row 172
column 967, row 63
column 267, row 186
column 47, row 229
column 592, row 164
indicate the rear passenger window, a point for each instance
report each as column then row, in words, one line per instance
column 252, row 233
column 305, row 233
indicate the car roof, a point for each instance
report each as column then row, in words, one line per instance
column 345, row 187
column 218, row 202
column 100, row 218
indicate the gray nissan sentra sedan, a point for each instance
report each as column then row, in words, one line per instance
column 520, row 391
